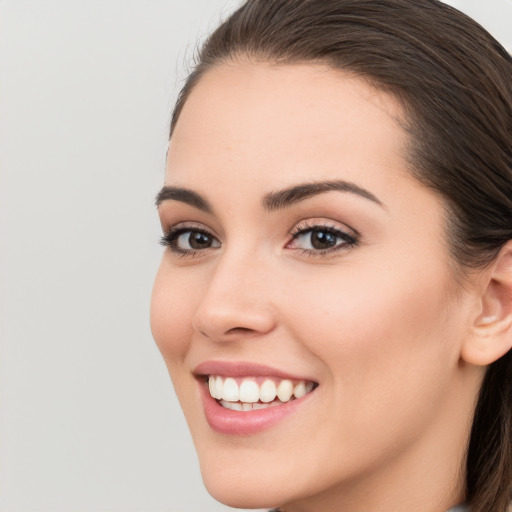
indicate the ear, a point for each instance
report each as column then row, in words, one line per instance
column 491, row 330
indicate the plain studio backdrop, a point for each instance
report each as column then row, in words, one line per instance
column 88, row 418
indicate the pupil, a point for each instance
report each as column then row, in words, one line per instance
column 322, row 240
column 199, row 241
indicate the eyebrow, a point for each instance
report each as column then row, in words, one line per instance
column 273, row 200
column 289, row 196
column 183, row 195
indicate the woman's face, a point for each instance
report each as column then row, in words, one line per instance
column 303, row 258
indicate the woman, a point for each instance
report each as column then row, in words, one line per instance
column 334, row 304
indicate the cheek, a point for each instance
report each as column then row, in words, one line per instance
column 386, row 343
column 378, row 330
column 172, row 309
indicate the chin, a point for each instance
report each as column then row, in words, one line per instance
column 252, row 481
column 259, row 478
column 253, row 498
column 244, row 490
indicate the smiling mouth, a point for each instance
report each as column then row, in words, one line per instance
column 254, row 393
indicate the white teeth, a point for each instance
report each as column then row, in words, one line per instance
column 268, row 391
column 219, row 385
column 285, row 390
column 212, row 387
column 249, row 395
column 234, row 406
column 249, row 391
column 239, row 406
column 215, row 384
column 230, row 390
column 299, row 390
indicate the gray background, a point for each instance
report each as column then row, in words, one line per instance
column 88, row 419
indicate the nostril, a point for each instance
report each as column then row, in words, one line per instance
column 239, row 330
column 234, row 330
column 224, row 319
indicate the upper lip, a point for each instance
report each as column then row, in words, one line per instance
column 243, row 369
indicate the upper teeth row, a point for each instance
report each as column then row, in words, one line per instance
column 249, row 391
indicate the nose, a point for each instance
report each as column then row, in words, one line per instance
column 237, row 301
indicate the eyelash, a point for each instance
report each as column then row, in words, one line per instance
column 349, row 240
column 170, row 239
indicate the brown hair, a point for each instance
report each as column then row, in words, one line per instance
column 455, row 83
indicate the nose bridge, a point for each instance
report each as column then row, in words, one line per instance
column 237, row 298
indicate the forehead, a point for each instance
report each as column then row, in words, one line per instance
column 248, row 130
column 289, row 122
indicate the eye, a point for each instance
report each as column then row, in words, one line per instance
column 189, row 240
column 321, row 239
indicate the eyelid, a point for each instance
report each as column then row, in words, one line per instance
column 325, row 223
column 192, row 225
column 349, row 236
column 173, row 232
column 345, row 237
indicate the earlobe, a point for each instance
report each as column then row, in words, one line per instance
column 491, row 330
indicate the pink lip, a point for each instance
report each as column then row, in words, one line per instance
column 243, row 369
column 227, row 421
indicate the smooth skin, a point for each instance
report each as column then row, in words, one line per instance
column 382, row 325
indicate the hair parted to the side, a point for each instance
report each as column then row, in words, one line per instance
column 455, row 83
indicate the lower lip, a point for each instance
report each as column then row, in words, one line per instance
column 227, row 421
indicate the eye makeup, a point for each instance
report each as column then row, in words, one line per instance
column 311, row 238
column 189, row 239
column 320, row 239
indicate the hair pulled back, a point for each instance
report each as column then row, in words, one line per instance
column 454, row 81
